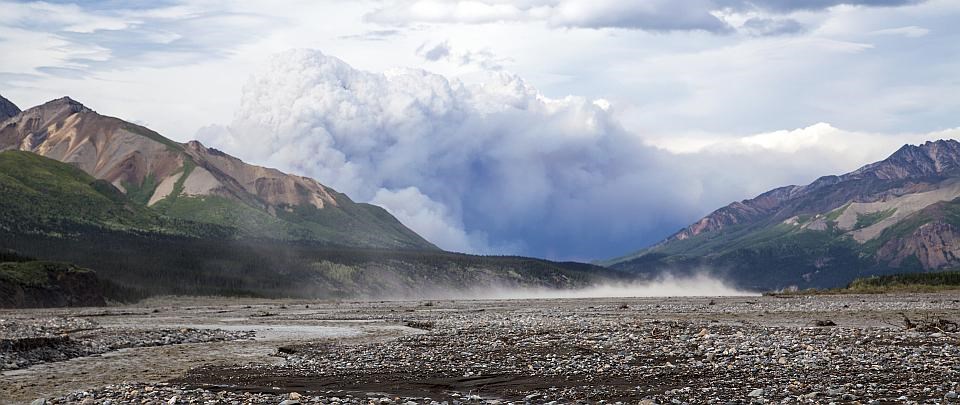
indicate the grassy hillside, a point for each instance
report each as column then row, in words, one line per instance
column 250, row 201
column 778, row 255
column 162, row 264
column 32, row 284
column 43, row 196
column 53, row 211
column 348, row 227
column 761, row 256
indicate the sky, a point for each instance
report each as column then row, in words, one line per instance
column 565, row 129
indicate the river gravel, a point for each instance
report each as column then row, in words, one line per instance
column 41, row 340
column 632, row 350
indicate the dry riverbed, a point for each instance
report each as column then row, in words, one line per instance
column 630, row 350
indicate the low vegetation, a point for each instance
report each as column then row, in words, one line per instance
column 37, row 273
column 53, row 211
column 46, row 197
column 944, row 280
column 865, row 220
column 758, row 258
column 891, row 283
column 176, row 265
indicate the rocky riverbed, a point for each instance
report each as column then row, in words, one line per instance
column 42, row 340
column 805, row 349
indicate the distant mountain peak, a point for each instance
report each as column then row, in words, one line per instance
column 7, row 109
column 934, row 150
column 929, row 159
column 902, row 213
column 62, row 106
column 73, row 105
column 193, row 182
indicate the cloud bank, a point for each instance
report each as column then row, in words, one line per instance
column 705, row 104
column 458, row 163
column 498, row 167
column 650, row 15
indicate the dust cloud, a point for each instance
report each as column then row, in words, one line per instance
column 701, row 285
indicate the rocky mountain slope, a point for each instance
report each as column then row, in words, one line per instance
column 193, row 182
column 899, row 214
column 7, row 109
column 152, row 216
column 46, row 197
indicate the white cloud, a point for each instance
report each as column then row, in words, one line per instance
column 443, row 51
column 654, row 15
column 762, row 17
column 557, row 171
column 834, row 148
column 499, row 167
column 488, row 154
column 65, row 17
column 909, row 31
column 432, row 220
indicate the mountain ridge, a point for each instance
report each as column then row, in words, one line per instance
column 7, row 109
column 909, row 161
column 197, row 183
column 153, row 216
column 56, row 212
column 886, row 215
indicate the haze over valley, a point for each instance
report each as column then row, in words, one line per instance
column 485, row 201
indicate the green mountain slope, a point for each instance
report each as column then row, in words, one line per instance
column 54, row 211
column 898, row 215
column 199, row 184
column 43, row 196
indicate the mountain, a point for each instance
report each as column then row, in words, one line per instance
column 47, row 197
column 190, row 181
column 152, row 216
column 7, row 109
column 901, row 214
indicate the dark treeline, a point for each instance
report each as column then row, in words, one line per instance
column 148, row 264
column 940, row 279
column 54, row 211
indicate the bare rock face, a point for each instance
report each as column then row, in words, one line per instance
column 926, row 165
column 899, row 213
column 105, row 147
column 935, row 244
column 7, row 109
column 270, row 185
column 740, row 212
column 931, row 159
column 143, row 163
column 127, row 155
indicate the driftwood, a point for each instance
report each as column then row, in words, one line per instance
column 425, row 325
column 930, row 324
